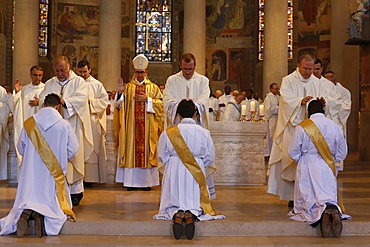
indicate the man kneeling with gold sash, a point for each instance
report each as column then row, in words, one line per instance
column 47, row 142
column 188, row 153
column 316, row 145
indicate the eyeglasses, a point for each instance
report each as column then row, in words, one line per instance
column 139, row 72
column 187, row 70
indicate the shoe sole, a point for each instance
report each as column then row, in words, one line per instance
column 22, row 224
column 337, row 225
column 177, row 230
column 38, row 225
column 325, row 225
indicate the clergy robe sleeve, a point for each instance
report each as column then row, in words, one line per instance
column 295, row 145
column 341, row 148
column 72, row 145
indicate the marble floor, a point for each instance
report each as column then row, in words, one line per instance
column 240, row 204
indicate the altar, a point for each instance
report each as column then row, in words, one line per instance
column 239, row 152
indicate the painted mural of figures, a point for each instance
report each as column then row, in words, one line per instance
column 218, row 66
column 355, row 25
column 237, row 22
column 221, row 19
column 238, row 69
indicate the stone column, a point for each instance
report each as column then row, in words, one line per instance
column 110, row 43
column 275, row 62
column 344, row 61
column 26, row 39
column 195, row 32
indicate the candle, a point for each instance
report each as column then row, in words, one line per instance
column 262, row 110
column 244, row 110
column 252, row 105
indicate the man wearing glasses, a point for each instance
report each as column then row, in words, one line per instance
column 186, row 84
column 140, row 110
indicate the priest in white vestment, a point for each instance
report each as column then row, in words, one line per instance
column 73, row 92
column 37, row 188
column 233, row 109
column 26, row 102
column 316, row 184
column 95, row 165
column 296, row 90
column 271, row 104
column 138, row 123
column 186, row 84
column 223, row 100
column 181, row 193
column 6, row 107
column 334, row 102
column 345, row 94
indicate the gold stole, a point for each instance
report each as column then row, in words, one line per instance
column 51, row 162
column 191, row 164
column 321, row 145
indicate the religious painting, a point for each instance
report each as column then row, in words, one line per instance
column 313, row 24
column 239, row 69
column 227, row 18
column 76, row 21
column 216, row 65
column 91, row 54
column 125, row 19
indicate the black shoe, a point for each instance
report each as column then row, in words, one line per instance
column 76, row 198
column 22, row 225
column 88, row 185
column 291, row 204
column 131, row 188
column 147, row 189
column 190, row 226
column 177, row 227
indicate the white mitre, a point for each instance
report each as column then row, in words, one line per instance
column 140, row 62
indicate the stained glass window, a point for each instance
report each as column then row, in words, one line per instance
column 261, row 26
column 43, row 28
column 153, row 29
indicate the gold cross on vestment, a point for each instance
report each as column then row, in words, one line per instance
column 147, row 25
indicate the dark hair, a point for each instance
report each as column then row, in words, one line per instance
column 84, row 63
column 187, row 57
column 37, row 67
column 315, row 106
column 52, row 100
column 329, row 71
column 318, row 61
column 186, row 108
column 272, row 84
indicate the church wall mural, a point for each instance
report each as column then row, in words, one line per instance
column 313, row 29
column 230, row 27
column 77, row 27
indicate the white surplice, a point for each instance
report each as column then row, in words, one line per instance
column 334, row 100
column 223, row 99
column 232, row 111
column 345, row 109
column 6, row 106
column 22, row 111
column 213, row 104
column 180, row 191
column 178, row 88
column 95, row 165
column 271, row 104
column 36, row 188
column 315, row 183
column 74, row 90
column 291, row 113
